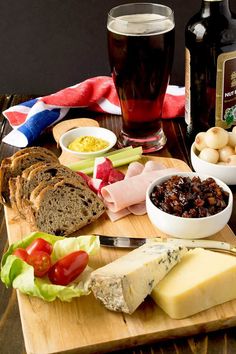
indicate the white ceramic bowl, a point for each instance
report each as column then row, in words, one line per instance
column 188, row 228
column 226, row 174
column 97, row 132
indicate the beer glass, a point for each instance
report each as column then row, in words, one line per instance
column 141, row 49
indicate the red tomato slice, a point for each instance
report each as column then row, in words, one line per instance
column 41, row 262
column 21, row 253
column 66, row 269
column 39, row 244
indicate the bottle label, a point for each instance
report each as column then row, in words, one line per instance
column 187, row 87
column 226, row 90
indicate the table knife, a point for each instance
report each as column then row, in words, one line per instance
column 133, row 242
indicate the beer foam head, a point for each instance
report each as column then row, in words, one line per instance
column 141, row 24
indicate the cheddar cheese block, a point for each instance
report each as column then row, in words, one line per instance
column 123, row 284
column 201, row 280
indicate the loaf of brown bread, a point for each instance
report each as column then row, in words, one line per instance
column 64, row 207
column 13, row 166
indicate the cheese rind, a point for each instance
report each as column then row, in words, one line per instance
column 124, row 284
column 200, row 281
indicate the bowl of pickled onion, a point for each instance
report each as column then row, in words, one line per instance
column 226, row 172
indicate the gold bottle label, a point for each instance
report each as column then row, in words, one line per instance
column 226, row 90
column 187, row 87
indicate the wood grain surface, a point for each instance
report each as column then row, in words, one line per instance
column 11, row 336
column 77, row 325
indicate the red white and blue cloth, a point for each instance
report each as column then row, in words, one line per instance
column 31, row 118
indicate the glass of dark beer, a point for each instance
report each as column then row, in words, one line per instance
column 141, row 48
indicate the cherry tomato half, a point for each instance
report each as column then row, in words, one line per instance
column 21, row 253
column 41, row 262
column 66, row 269
column 39, row 244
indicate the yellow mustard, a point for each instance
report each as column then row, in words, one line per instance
column 88, row 144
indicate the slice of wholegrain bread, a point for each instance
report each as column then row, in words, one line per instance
column 42, row 172
column 28, row 204
column 27, row 171
column 33, row 149
column 4, row 179
column 13, row 166
column 35, row 192
column 64, row 207
column 15, row 188
column 12, row 195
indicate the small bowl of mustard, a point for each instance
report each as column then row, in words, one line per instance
column 85, row 142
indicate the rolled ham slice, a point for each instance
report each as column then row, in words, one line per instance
column 130, row 191
column 140, row 208
column 134, row 169
column 118, row 215
column 153, row 166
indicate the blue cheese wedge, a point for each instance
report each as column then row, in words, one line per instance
column 124, row 284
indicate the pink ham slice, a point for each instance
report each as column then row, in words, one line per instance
column 130, row 191
column 118, row 215
column 134, row 169
column 140, row 208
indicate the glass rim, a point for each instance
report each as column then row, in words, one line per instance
column 164, row 17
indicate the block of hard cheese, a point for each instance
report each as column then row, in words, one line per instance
column 201, row 280
column 123, row 284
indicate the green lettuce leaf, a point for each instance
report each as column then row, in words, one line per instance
column 20, row 275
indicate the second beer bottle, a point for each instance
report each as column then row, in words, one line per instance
column 210, row 68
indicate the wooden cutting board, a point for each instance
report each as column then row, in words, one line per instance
column 84, row 325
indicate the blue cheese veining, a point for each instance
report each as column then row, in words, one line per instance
column 124, row 284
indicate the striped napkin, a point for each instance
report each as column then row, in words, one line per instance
column 29, row 119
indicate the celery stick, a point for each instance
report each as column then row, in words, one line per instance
column 76, row 166
column 125, row 161
column 125, row 154
column 119, row 155
column 116, row 163
column 117, row 151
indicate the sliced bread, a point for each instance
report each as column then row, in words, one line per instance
column 4, row 178
column 13, row 166
column 33, row 149
column 42, row 172
column 15, row 188
column 64, row 207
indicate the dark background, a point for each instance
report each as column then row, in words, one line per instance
column 46, row 45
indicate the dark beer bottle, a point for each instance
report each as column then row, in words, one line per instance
column 210, row 68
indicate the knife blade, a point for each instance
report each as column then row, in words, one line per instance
column 134, row 242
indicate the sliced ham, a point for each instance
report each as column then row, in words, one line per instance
column 153, row 166
column 134, row 169
column 118, row 215
column 130, row 191
column 138, row 209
